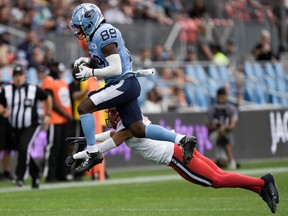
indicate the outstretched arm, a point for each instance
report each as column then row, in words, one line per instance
column 109, row 139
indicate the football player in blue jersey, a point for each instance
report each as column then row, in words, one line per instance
column 121, row 90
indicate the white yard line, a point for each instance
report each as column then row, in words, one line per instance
column 142, row 179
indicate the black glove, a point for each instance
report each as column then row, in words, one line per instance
column 69, row 161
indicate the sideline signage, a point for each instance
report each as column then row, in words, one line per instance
column 259, row 134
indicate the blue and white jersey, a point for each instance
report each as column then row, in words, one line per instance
column 104, row 35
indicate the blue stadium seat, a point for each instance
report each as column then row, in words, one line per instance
column 248, row 70
column 213, row 72
column 201, row 99
column 260, row 94
column 189, row 94
column 249, row 91
column 275, row 100
column 212, row 87
column 200, row 73
column 279, row 71
column 146, row 86
column 224, row 73
column 190, row 71
column 269, row 70
column 258, row 71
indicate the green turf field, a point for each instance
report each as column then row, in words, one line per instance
column 145, row 192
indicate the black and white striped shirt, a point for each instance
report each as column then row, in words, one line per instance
column 22, row 103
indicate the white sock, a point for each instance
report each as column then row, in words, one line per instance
column 178, row 138
column 102, row 136
column 92, row 148
column 80, row 155
column 106, row 145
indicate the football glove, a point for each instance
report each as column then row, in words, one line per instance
column 81, row 60
column 84, row 73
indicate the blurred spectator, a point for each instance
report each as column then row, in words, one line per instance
column 219, row 58
column 4, row 36
column 165, row 82
column 4, row 14
column 231, row 52
column 154, row 102
column 221, row 121
column 238, row 91
column 28, row 45
column 203, row 43
column 5, row 66
column 198, row 9
column 145, row 58
column 25, row 123
column 21, row 58
column 57, row 151
column 280, row 12
column 42, row 72
column 18, row 11
column 119, row 12
column 178, row 98
column 143, row 61
column 248, row 9
column 159, row 53
column 180, row 78
column 263, row 51
column 191, row 54
column 149, row 11
column 173, row 8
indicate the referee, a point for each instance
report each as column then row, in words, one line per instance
column 18, row 102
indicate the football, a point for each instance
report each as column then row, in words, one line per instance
column 75, row 70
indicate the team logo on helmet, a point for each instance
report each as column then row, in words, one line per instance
column 86, row 18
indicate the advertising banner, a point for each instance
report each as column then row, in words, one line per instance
column 258, row 135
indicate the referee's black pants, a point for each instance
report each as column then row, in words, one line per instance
column 23, row 139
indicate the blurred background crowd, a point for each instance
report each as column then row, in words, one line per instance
column 33, row 32
column 196, row 46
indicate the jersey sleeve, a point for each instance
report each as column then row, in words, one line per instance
column 107, row 34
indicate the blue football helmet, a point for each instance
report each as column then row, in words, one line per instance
column 86, row 18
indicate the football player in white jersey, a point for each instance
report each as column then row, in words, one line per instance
column 106, row 47
column 200, row 170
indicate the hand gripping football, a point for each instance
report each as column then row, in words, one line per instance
column 76, row 70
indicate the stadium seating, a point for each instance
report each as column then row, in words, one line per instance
column 248, row 70
column 213, row 72
column 225, row 75
column 270, row 83
column 201, row 98
column 263, row 84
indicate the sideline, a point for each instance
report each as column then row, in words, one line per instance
column 131, row 180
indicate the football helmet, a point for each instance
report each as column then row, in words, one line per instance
column 86, row 18
column 113, row 118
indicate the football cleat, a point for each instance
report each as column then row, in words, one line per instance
column 267, row 198
column 271, row 187
column 91, row 160
column 35, row 183
column 69, row 161
column 188, row 144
